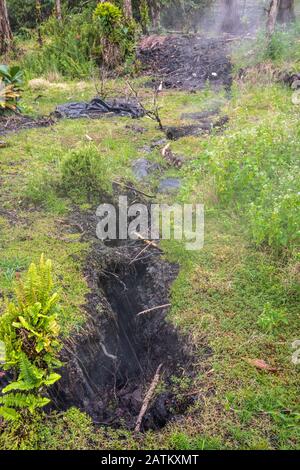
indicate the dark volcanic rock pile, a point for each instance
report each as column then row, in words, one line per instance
column 186, row 62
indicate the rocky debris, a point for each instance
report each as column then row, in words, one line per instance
column 16, row 121
column 142, row 168
column 154, row 145
column 186, row 62
column 158, row 143
column 296, row 97
column 146, row 149
column 175, row 133
column 295, row 85
column 97, row 108
column 205, row 127
column 136, row 129
column 169, row 185
column 291, row 79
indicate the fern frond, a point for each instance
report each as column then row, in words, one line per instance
column 21, row 400
column 31, row 374
column 9, row 413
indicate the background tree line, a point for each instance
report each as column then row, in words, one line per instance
column 22, row 17
column 23, row 14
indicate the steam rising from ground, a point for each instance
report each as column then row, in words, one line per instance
column 208, row 17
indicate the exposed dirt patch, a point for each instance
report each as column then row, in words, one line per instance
column 110, row 363
column 16, row 122
column 186, row 62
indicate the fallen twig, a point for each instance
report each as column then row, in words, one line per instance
column 148, row 242
column 147, row 399
column 139, row 254
column 153, row 309
column 132, row 188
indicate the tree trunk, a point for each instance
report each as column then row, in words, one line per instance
column 58, row 10
column 154, row 6
column 272, row 16
column 38, row 8
column 280, row 11
column 5, row 30
column 231, row 19
column 127, row 7
column 286, row 11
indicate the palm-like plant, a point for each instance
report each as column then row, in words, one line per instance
column 8, row 97
column 11, row 81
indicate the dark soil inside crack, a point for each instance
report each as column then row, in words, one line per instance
column 111, row 362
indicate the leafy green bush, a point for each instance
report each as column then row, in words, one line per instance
column 29, row 331
column 12, row 75
column 257, row 171
column 84, row 173
column 272, row 318
column 117, row 34
column 275, row 217
column 83, row 41
column 22, row 14
column 281, row 47
column 109, row 15
column 68, row 48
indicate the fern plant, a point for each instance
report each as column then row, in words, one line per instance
column 29, row 332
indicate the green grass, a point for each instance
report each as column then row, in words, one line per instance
column 222, row 292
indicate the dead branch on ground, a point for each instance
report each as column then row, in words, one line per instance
column 148, row 242
column 153, row 309
column 148, row 398
column 132, row 188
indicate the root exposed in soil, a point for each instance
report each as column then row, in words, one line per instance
column 186, row 62
column 110, row 364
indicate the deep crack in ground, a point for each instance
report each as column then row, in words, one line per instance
column 110, row 364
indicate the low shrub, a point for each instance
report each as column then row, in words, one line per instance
column 116, row 33
column 42, row 189
column 272, row 318
column 83, row 41
column 280, row 48
column 257, row 172
column 84, row 174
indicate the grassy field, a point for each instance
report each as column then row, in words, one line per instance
column 237, row 299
